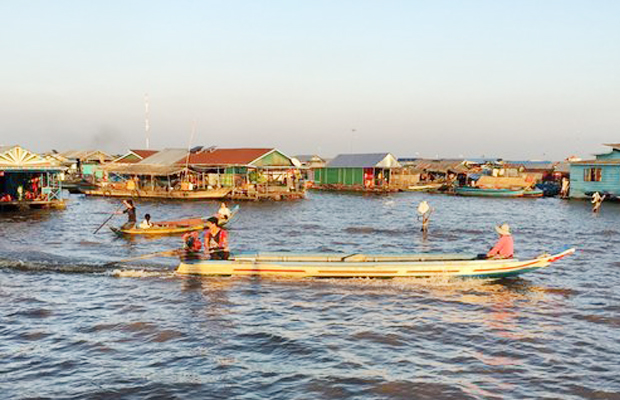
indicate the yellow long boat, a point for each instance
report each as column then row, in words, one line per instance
column 173, row 227
column 366, row 265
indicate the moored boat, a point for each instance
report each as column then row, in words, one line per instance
column 423, row 187
column 367, row 265
column 535, row 192
column 487, row 192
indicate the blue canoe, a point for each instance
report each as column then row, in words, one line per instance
column 474, row 191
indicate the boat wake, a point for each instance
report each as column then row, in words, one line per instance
column 140, row 273
column 69, row 267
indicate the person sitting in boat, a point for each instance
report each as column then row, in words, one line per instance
column 130, row 210
column 216, row 240
column 146, row 224
column 191, row 242
column 223, row 214
column 504, row 248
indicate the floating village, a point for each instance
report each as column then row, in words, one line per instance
column 31, row 180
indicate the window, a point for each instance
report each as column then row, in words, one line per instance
column 592, row 174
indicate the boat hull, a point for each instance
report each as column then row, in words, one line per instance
column 159, row 230
column 423, row 188
column 356, row 266
column 212, row 194
column 471, row 191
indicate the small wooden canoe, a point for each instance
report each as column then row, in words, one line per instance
column 366, row 265
column 474, row 191
column 173, row 227
column 424, row 188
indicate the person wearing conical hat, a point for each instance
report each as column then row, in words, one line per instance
column 424, row 211
column 504, row 248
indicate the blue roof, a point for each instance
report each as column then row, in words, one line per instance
column 357, row 160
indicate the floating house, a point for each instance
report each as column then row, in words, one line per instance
column 203, row 173
column 250, row 173
column 163, row 174
column 599, row 175
column 308, row 164
column 28, row 180
column 85, row 164
column 420, row 171
column 364, row 172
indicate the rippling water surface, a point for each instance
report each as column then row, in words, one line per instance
column 72, row 328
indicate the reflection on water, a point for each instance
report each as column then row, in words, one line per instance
column 72, row 327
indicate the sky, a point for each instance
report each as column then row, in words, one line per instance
column 521, row 79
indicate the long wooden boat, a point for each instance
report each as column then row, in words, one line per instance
column 474, row 191
column 173, row 227
column 209, row 194
column 366, row 265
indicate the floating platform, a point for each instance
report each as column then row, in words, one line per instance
column 32, row 204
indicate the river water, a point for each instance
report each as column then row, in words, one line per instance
column 71, row 328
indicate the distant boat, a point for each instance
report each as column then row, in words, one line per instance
column 474, row 191
column 424, row 188
column 366, row 265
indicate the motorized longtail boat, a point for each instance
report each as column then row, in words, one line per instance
column 487, row 192
column 367, row 265
column 173, row 227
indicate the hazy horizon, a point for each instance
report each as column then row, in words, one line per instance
column 514, row 80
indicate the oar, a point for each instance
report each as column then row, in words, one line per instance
column 109, row 218
column 166, row 253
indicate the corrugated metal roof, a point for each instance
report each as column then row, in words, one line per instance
column 137, row 169
column 16, row 158
column 144, row 153
column 371, row 160
column 87, row 155
column 442, row 166
column 227, row 156
column 165, row 157
column 597, row 162
column 134, row 156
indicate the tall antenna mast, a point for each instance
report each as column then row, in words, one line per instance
column 147, row 128
column 189, row 147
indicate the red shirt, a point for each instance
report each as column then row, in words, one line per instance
column 219, row 241
column 504, row 248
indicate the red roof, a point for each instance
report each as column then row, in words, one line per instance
column 144, row 153
column 227, row 156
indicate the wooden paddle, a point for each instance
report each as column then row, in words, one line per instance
column 109, row 218
column 167, row 253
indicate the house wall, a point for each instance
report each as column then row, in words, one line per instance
column 339, row 176
column 610, row 180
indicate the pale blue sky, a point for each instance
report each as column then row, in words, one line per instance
column 514, row 79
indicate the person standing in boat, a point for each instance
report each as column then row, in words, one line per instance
column 216, row 240
column 223, row 214
column 130, row 210
column 504, row 248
